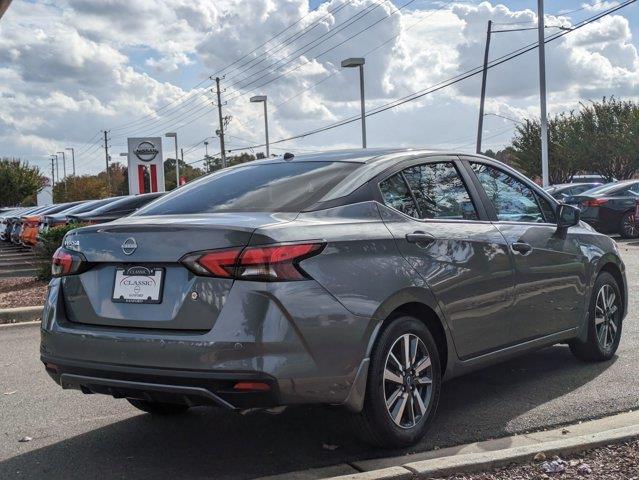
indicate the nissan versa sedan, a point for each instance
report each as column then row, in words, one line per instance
column 355, row 278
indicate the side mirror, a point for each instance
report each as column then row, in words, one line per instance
column 567, row 216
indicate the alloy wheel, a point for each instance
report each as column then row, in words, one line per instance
column 630, row 226
column 606, row 316
column 408, row 383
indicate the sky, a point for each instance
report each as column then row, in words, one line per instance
column 70, row 69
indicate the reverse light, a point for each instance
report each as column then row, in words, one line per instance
column 273, row 263
column 67, row 263
column 595, row 202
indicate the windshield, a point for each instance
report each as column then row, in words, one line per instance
column 263, row 187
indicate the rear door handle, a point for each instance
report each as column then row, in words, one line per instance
column 522, row 247
column 420, row 237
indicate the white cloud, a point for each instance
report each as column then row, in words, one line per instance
column 68, row 70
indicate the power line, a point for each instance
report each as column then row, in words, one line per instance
column 458, row 78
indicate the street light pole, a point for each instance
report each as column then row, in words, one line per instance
column 359, row 62
column 64, row 165
column 263, row 99
column 57, row 169
column 72, row 158
column 177, row 163
column 542, row 92
column 480, row 123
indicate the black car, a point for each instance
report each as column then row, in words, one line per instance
column 62, row 217
column 562, row 191
column 610, row 208
column 114, row 210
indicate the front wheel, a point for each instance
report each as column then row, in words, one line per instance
column 403, row 387
column 629, row 228
column 604, row 322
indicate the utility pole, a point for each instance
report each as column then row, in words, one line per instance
column 52, row 175
column 542, row 92
column 182, row 158
column 72, row 158
column 480, row 123
column 57, row 169
column 221, row 119
column 106, row 159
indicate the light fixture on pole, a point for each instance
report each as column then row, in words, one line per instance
column 177, row 163
column 262, row 99
column 359, row 62
column 72, row 158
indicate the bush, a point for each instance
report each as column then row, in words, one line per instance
column 49, row 242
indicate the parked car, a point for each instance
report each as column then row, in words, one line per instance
column 356, row 278
column 116, row 209
column 562, row 191
column 591, row 177
column 15, row 223
column 610, row 208
column 61, row 218
column 4, row 221
column 33, row 224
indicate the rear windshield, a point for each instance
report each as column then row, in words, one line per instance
column 608, row 189
column 125, row 204
column 266, row 187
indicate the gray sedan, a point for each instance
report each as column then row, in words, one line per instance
column 356, row 278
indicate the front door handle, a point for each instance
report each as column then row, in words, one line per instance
column 522, row 247
column 419, row 237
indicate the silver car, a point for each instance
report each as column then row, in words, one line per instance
column 356, row 278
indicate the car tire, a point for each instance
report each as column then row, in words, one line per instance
column 628, row 227
column 405, row 421
column 604, row 322
column 158, row 408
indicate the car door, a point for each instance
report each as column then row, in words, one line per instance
column 445, row 235
column 550, row 269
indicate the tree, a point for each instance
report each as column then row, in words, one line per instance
column 611, row 131
column 84, row 187
column 187, row 171
column 19, row 181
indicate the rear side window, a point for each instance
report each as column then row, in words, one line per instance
column 396, row 194
column 440, row 192
column 267, row 187
column 513, row 200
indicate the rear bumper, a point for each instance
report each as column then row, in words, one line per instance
column 307, row 353
column 172, row 386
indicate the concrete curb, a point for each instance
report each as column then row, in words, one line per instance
column 486, row 455
column 20, row 314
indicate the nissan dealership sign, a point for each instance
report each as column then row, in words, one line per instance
column 145, row 160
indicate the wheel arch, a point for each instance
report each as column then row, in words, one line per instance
column 614, row 269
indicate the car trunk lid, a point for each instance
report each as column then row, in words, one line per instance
column 185, row 301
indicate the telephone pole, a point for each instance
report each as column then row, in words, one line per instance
column 52, row 173
column 64, row 165
column 221, row 119
column 480, row 123
column 542, row 92
column 106, row 158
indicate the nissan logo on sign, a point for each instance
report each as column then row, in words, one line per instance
column 146, row 151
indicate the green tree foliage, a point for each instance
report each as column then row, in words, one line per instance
column 19, row 182
column 187, row 171
column 601, row 137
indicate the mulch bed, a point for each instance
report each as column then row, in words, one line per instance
column 22, row 292
column 614, row 462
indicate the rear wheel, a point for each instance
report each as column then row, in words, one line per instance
column 403, row 385
column 604, row 322
column 629, row 228
column 158, row 408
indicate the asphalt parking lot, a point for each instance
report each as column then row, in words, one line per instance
column 79, row 436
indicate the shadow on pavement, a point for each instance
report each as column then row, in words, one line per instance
column 208, row 443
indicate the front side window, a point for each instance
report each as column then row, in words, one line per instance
column 512, row 199
column 440, row 192
column 396, row 194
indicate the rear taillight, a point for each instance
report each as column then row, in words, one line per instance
column 273, row 263
column 595, row 202
column 67, row 263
